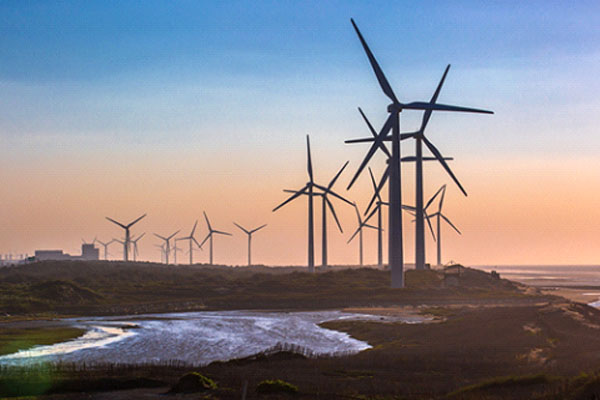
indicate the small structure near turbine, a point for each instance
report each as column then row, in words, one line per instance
column 359, row 231
column 191, row 239
column 127, row 241
column 249, row 233
column 167, row 244
column 211, row 233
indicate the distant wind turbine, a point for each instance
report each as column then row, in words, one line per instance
column 86, row 242
column 249, row 233
column 105, row 245
column 191, row 239
column 438, row 214
column 325, row 204
column 135, row 246
column 211, row 233
column 359, row 231
column 127, row 242
column 308, row 190
column 167, row 244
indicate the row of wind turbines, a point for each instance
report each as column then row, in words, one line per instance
column 390, row 132
column 170, row 242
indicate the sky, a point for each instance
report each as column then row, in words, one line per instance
column 111, row 108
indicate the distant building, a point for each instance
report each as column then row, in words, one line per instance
column 88, row 253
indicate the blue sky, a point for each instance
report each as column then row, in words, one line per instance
column 154, row 84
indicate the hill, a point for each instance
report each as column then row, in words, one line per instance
column 80, row 287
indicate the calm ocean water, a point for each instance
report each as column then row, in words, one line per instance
column 549, row 275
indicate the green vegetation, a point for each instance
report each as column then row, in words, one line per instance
column 276, row 386
column 508, row 382
column 14, row 339
column 193, row 382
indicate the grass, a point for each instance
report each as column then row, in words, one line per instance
column 13, row 340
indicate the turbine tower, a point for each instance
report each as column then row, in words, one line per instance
column 211, row 233
column 127, row 241
column 359, row 231
column 249, row 233
column 396, row 258
column 105, row 245
column 167, row 244
column 191, row 240
column 135, row 246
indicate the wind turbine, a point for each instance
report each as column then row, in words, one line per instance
column 135, row 246
column 85, row 242
column 359, row 231
column 211, row 233
column 105, row 247
column 191, row 240
column 175, row 250
column 396, row 258
column 127, row 241
column 162, row 251
column 438, row 214
column 167, row 244
column 308, row 190
column 249, row 233
column 326, row 203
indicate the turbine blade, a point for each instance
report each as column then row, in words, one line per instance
column 206, row 238
column 170, row 237
column 442, row 199
column 383, row 82
column 115, row 222
column 207, row 221
column 337, row 176
column 136, row 221
column 334, row 194
column 239, row 226
column 440, row 158
column 223, row 233
column 433, row 197
column 420, row 105
column 364, row 140
column 197, row 244
column 194, row 228
column 337, row 221
column 404, row 136
column 370, row 226
column 372, row 213
column 381, row 145
column 450, row 223
column 295, row 195
column 310, row 168
column 384, row 178
column 258, row 229
column 374, row 186
column 353, row 235
column 386, row 127
column 161, row 237
column 427, row 114
column 428, row 218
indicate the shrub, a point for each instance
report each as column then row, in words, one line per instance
column 193, row 382
column 276, row 386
